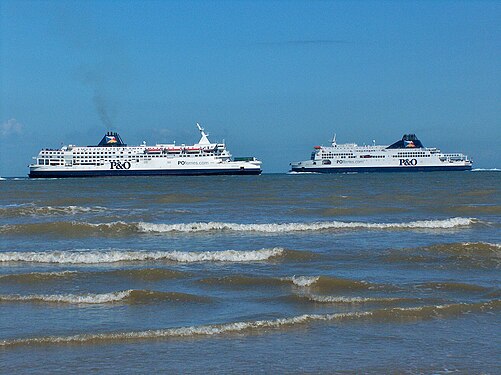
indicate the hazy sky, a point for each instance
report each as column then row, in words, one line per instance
column 271, row 78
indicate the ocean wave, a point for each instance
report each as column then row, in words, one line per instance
column 32, row 210
column 70, row 228
column 465, row 254
column 352, row 300
column 36, row 277
column 145, row 274
column 298, row 227
column 475, row 209
column 303, row 280
column 489, row 246
column 321, row 283
column 381, row 315
column 452, row 286
column 112, row 256
column 82, row 229
column 127, row 296
column 486, row 170
column 330, row 283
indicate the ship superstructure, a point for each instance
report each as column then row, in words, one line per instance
column 112, row 157
column 405, row 155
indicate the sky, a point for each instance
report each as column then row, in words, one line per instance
column 270, row 78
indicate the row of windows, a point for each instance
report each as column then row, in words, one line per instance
column 144, row 156
column 333, row 155
column 82, row 159
column 100, row 154
column 412, row 155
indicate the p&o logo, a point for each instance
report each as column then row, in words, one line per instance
column 408, row 162
column 119, row 165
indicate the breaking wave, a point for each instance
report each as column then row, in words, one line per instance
column 32, row 210
column 82, row 229
column 486, row 170
column 330, row 283
column 70, row 228
column 127, row 296
column 387, row 314
column 297, row 227
column 112, row 256
column 321, row 283
column 352, row 300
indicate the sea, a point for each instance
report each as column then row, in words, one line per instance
column 278, row 273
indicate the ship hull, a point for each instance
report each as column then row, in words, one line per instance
column 158, row 172
column 430, row 168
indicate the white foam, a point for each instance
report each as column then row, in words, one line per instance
column 302, row 281
column 486, row 170
column 498, row 245
column 69, row 298
column 341, row 299
column 42, row 274
column 111, row 256
column 295, row 227
column 191, row 331
column 73, row 209
column 215, row 329
column 32, row 209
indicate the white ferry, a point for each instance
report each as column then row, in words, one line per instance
column 405, row 155
column 112, row 157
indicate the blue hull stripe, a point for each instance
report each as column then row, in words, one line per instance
column 156, row 172
column 383, row 169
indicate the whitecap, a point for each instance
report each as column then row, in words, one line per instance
column 398, row 313
column 302, row 281
column 296, row 227
column 89, row 298
column 111, row 256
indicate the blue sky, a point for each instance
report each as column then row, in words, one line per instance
column 271, row 78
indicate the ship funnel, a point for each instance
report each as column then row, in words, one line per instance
column 111, row 139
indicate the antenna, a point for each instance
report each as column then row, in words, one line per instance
column 202, row 130
column 204, row 140
column 334, row 139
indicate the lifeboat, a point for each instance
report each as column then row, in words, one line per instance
column 153, row 150
column 173, row 150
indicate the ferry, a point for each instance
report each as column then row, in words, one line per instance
column 405, row 155
column 112, row 157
